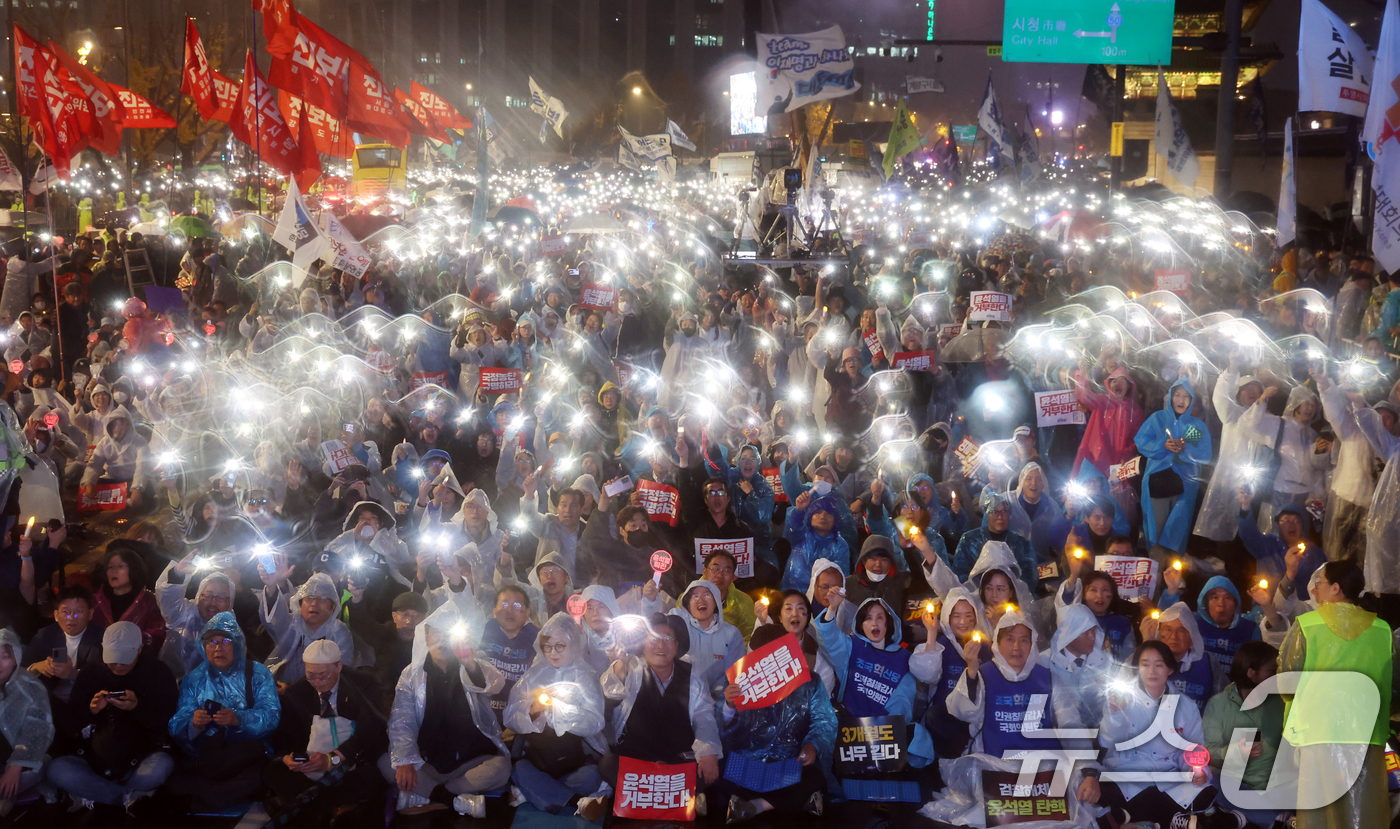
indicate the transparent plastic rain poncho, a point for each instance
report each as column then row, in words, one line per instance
column 285, row 624
column 25, row 719
column 1302, row 471
column 575, row 697
column 182, row 650
column 962, row 803
column 1382, row 565
column 411, row 692
column 1236, row 465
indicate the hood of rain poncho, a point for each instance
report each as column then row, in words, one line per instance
column 445, row 619
column 386, row 518
column 1345, row 619
column 950, row 601
column 610, row 386
column 319, row 586
column 892, row 636
column 586, row 483
column 120, row 414
column 781, row 407
column 684, row 611
column 1074, row 620
column 227, row 623
column 997, row 555
column 573, row 687
column 446, row 476
column 1181, row 613
column 212, row 580
column 1009, row 619
column 597, row 458
column 914, row 481
column 825, row 503
column 604, row 594
column 1297, row 396
column 479, row 496
column 1224, row 584
column 404, row 470
column 990, row 499
column 1122, row 371
column 1089, row 472
column 549, row 554
column 1185, row 383
column 820, row 566
column 9, row 637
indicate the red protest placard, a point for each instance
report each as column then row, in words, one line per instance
column 775, row 480
column 914, row 360
column 501, row 380
column 966, row 450
column 654, row 791
column 662, row 503
column 602, row 297
column 872, row 344
column 1178, row 282
column 106, row 496
column 768, row 675
column 424, row 378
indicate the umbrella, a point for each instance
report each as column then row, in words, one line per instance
column 194, row 226
column 974, row 345
column 513, row 214
column 525, row 202
column 595, row 223
column 148, row 229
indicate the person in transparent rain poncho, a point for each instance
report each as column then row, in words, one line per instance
column 1240, row 457
column 556, row 708
column 442, row 732
column 1199, row 675
column 26, row 725
column 1303, row 455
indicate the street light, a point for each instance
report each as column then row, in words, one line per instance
column 469, row 87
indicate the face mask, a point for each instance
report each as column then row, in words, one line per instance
column 367, row 532
column 877, row 578
column 821, row 487
column 41, row 305
column 623, row 307
column 121, row 397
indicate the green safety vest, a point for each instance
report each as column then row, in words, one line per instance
column 1320, row 711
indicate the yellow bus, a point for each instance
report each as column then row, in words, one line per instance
column 378, row 167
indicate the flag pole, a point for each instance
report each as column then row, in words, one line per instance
column 53, row 269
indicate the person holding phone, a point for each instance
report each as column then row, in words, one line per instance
column 60, row 651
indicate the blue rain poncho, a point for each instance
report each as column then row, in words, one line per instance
column 256, row 717
column 808, row 545
column 1161, row 426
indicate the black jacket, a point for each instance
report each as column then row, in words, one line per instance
column 51, row 639
column 119, row 740
column 357, row 699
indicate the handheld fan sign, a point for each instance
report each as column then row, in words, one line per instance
column 16, row 366
column 1197, row 758
column 576, row 606
column 660, row 563
column 51, row 420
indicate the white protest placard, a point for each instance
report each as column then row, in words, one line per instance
column 802, row 69
column 989, row 306
column 1053, row 408
column 1135, row 576
column 740, row 548
column 1178, row 282
column 1125, row 471
column 337, row 456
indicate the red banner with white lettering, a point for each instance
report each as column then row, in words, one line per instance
column 775, row 480
column 442, row 112
column 226, row 91
column 600, row 297
column 326, row 132
column 278, row 25
column 78, row 109
column 43, row 100
column 308, row 167
column 914, row 360
column 103, row 497
column 770, row 674
column 416, row 118
column 141, row 114
column 106, row 109
column 260, row 125
column 654, row 791
column 317, row 70
column 553, row 246
column 373, row 109
column 197, row 77
column 662, row 503
column 501, row 380
column 424, row 378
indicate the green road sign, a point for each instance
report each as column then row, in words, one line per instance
column 1136, row 32
column 965, row 134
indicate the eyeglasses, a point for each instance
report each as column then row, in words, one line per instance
column 510, row 605
column 69, row 614
column 721, row 571
column 715, row 493
column 559, row 648
column 217, row 642
column 667, row 640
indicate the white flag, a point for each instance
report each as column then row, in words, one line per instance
column 678, row 136
column 650, row 147
column 1334, row 66
column 1385, row 178
column 494, row 149
column 1171, row 138
column 9, row 174
column 800, row 69
column 1387, row 69
column 297, row 231
column 349, row 255
column 1288, row 190
column 627, row 158
column 549, row 107
column 990, row 120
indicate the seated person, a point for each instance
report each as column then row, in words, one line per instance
column 666, row 714
column 329, row 739
column 391, row 641
column 442, row 733
column 186, row 620
column 802, row 725
column 308, row 616
column 59, row 652
column 120, row 457
column 556, row 708
column 1198, row 674
column 1218, row 617
column 507, row 641
column 27, row 726
column 120, row 708
column 1254, row 663
column 228, row 706
column 714, row 643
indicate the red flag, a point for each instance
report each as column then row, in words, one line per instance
column 140, row 113
column 417, row 118
column 373, row 108
column 226, row 91
column 106, row 109
column 77, row 108
column 445, row 113
column 197, row 79
column 279, row 27
column 317, row 70
column 42, row 100
column 259, row 124
column 328, row 133
column 309, row 161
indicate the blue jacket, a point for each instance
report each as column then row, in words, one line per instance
column 1151, row 441
column 837, row 646
column 228, row 688
column 808, row 545
column 778, row 731
column 970, row 547
column 1269, row 551
column 756, row 510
